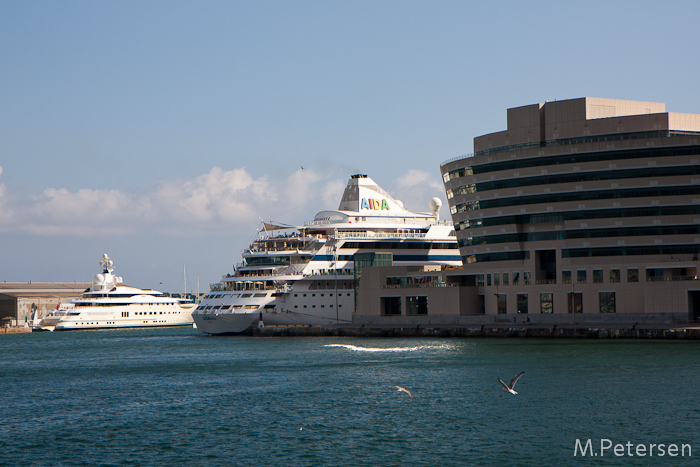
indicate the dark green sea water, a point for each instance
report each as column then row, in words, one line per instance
column 175, row 397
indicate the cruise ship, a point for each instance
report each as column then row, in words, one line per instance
column 108, row 303
column 306, row 275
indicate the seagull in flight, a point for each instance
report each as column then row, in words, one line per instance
column 509, row 387
column 399, row 388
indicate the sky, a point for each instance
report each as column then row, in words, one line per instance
column 161, row 132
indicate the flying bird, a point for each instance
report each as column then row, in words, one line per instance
column 404, row 390
column 509, row 387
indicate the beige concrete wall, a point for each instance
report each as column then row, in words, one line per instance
column 684, row 122
column 442, row 301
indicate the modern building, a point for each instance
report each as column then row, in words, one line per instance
column 582, row 211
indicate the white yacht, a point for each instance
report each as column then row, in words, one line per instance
column 108, row 303
column 306, row 275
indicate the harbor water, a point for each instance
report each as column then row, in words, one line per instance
column 157, row 397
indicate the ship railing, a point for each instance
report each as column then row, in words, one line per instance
column 419, row 286
column 284, row 288
column 330, row 272
column 270, row 248
column 384, row 220
column 370, row 234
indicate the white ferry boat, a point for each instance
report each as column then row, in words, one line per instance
column 110, row 304
column 306, row 275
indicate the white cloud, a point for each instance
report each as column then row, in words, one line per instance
column 299, row 187
column 98, row 205
column 6, row 211
column 216, row 196
column 212, row 199
column 419, row 178
column 217, row 201
column 415, row 188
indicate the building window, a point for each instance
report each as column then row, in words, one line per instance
column 632, row 275
column 501, row 304
column 480, row 280
column 566, row 277
column 392, row 306
column 522, row 302
column 505, row 278
column 516, row 278
column 575, row 302
column 607, row 302
column 614, row 275
column 581, row 277
column 416, row 305
column 496, row 279
column 526, row 278
column 546, row 303
column 488, row 280
column 597, row 276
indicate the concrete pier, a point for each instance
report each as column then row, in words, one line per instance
column 491, row 330
column 15, row 330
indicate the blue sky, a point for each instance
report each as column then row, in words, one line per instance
column 160, row 132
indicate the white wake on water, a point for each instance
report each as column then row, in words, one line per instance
column 387, row 349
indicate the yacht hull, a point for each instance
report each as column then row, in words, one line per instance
column 226, row 323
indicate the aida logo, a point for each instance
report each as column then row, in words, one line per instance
column 374, row 204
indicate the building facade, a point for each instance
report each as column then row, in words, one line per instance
column 582, row 210
column 22, row 301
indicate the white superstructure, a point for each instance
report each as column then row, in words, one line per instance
column 306, row 275
column 108, row 303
